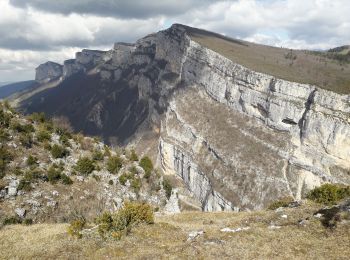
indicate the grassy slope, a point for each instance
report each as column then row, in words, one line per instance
column 308, row 67
column 167, row 239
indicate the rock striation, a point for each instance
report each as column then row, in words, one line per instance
column 238, row 139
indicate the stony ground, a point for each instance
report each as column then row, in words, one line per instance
column 281, row 234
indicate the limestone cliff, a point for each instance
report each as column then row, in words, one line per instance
column 237, row 138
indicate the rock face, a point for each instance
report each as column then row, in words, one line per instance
column 48, row 71
column 238, row 139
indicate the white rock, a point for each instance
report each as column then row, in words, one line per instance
column 194, row 234
column 234, row 230
column 21, row 212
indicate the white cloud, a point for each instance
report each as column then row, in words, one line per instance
column 32, row 32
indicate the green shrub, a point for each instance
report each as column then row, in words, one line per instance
column 132, row 214
column 64, row 139
column 12, row 221
column 33, row 175
column 17, row 171
column 107, row 151
column 97, row 155
column 4, row 135
column 136, row 184
column 27, row 222
column 43, row 135
column 114, row 164
column 110, row 182
column 75, row 227
column 66, row 180
column 133, row 156
column 32, row 160
column 147, row 165
column 38, row 117
column 5, row 119
column 5, row 157
column 26, row 128
column 85, row 166
column 123, row 179
column 167, row 187
column 329, row 194
column 24, row 185
column 284, row 202
column 58, row 151
column 54, row 175
column 26, row 140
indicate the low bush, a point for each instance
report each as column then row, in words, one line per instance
column 97, row 155
column 26, row 128
column 119, row 223
column 54, row 175
column 27, row 222
column 43, row 135
column 123, row 179
column 75, row 227
column 283, row 202
column 4, row 135
column 38, row 117
column 58, row 151
column 32, row 160
column 85, row 166
column 66, row 180
column 167, row 187
column 24, row 185
column 147, row 165
column 26, row 139
column 329, row 194
column 136, row 184
column 114, row 164
column 110, row 182
column 133, row 156
column 5, row 157
column 11, row 221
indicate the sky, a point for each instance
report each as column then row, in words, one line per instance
column 34, row 31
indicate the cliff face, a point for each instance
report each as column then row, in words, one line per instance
column 237, row 138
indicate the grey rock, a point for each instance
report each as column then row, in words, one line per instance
column 21, row 212
column 48, row 71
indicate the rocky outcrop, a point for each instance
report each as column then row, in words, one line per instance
column 237, row 138
column 48, row 71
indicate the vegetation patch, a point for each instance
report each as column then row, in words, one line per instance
column 147, row 165
column 114, row 164
column 85, row 166
column 329, row 194
column 120, row 223
column 281, row 203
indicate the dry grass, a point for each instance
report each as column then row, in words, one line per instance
column 305, row 68
column 167, row 239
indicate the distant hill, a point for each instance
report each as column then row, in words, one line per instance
column 9, row 89
column 4, row 83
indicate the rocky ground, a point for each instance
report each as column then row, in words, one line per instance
column 285, row 233
column 50, row 174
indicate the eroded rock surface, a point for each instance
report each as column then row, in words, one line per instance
column 238, row 139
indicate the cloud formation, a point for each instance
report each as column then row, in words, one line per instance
column 33, row 31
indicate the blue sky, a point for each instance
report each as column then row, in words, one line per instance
column 34, row 31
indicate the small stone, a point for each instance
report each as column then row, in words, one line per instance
column 52, row 204
column 55, row 193
column 280, row 209
column 274, row 227
column 21, row 212
column 234, row 230
column 192, row 235
column 318, row 215
column 284, row 216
